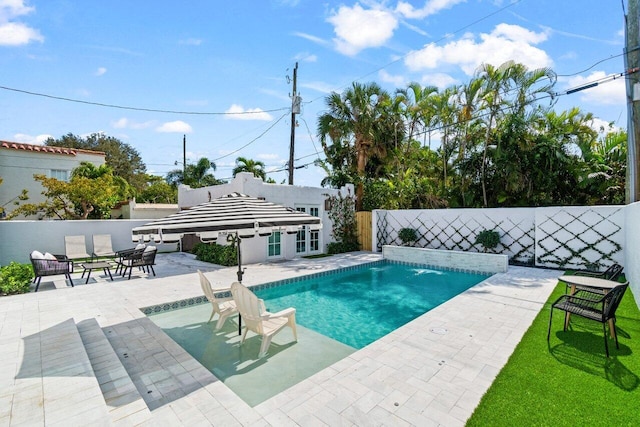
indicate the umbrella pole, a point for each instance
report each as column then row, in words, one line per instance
column 240, row 272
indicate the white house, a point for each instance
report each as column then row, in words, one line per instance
column 279, row 245
column 19, row 162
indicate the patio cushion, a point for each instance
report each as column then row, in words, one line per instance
column 47, row 255
column 37, row 255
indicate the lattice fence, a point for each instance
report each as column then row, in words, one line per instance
column 585, row 237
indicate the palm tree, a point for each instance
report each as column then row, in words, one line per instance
column 194, row 175
column 256, row 167
column 356, row 120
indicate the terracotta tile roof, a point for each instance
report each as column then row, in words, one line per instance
column 46, row 148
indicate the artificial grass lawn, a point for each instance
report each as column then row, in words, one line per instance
column 570, row 381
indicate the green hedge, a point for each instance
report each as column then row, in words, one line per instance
column 216, row 254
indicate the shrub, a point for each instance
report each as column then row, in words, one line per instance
column 488, row 238
column 342, row 247
column 216, row 254
column 15, row 278
column 407, row 235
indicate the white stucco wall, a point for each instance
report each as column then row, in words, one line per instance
column 17, row 167
column 287, row 195
column 632, row 248
column 19, row 238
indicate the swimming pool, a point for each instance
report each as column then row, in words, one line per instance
column 337, row 312
column 358, row 306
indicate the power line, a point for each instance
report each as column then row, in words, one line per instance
column 253, row 140
column 153, row 110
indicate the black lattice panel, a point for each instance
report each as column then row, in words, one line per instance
column 583, row 238
column 457, row 229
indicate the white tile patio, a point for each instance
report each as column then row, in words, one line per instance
column 58, row 369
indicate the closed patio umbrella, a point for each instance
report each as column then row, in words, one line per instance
column 235, row 215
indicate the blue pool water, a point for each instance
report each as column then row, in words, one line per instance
column 357, row 307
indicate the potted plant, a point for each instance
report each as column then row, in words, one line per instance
column 408, row 236
column 489, row 239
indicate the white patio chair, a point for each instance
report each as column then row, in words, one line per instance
column 102, row 246
column 75, row 247
column 257, row 319
column 225, row 307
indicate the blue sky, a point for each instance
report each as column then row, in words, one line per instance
column 212, row 58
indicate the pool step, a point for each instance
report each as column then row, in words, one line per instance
column 55, row 384
column 124, row 403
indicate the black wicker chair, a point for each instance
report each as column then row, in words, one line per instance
column 593, row 306
column 51, row 267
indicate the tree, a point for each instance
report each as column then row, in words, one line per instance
column 357, row 125
column 124, row 160
column 91, row 192
column 256, row 167
column 158, row 191
column 194, row 175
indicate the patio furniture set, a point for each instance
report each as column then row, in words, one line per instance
column 593, row 296
column 102, row 258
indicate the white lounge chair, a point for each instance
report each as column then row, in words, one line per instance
column 225, row 307
column 257, row 319
column 75, row 247
column 102, row 246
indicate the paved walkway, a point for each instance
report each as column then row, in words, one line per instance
column 87, row 355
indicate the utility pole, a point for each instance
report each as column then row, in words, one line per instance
column 184, row 156
column 295, row 109
column 632, row 61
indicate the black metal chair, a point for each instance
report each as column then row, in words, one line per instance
column 594, row 306
column 612, row 273
column 51, row 267
column 141, row 258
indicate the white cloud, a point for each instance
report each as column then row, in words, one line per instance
column 430, row 7
column 268, row 156
column 237, row 112
column 398, row 81
column 191, row 42
column 124, row 123
column 609, row 92
column 14, row 33
column 175, row 127
column 319, row 86
column 100, row 71
column 439, row 80
column 30, row 139
column 602, row 126
column 506, row 42
column 306, row 57
column 314, row 39
column 357, row 29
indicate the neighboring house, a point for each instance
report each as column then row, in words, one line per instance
column 279, row 245
column 19, row 162
column 132, row 210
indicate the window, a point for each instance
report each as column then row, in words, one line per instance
column 275, row 248
column 308, row 241
column 59, row 174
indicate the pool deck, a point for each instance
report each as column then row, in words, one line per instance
column 88, row 355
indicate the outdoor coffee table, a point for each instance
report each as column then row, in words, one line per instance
column 90, row 266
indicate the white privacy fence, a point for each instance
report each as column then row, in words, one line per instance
column 589, row 237
column 19, row 238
